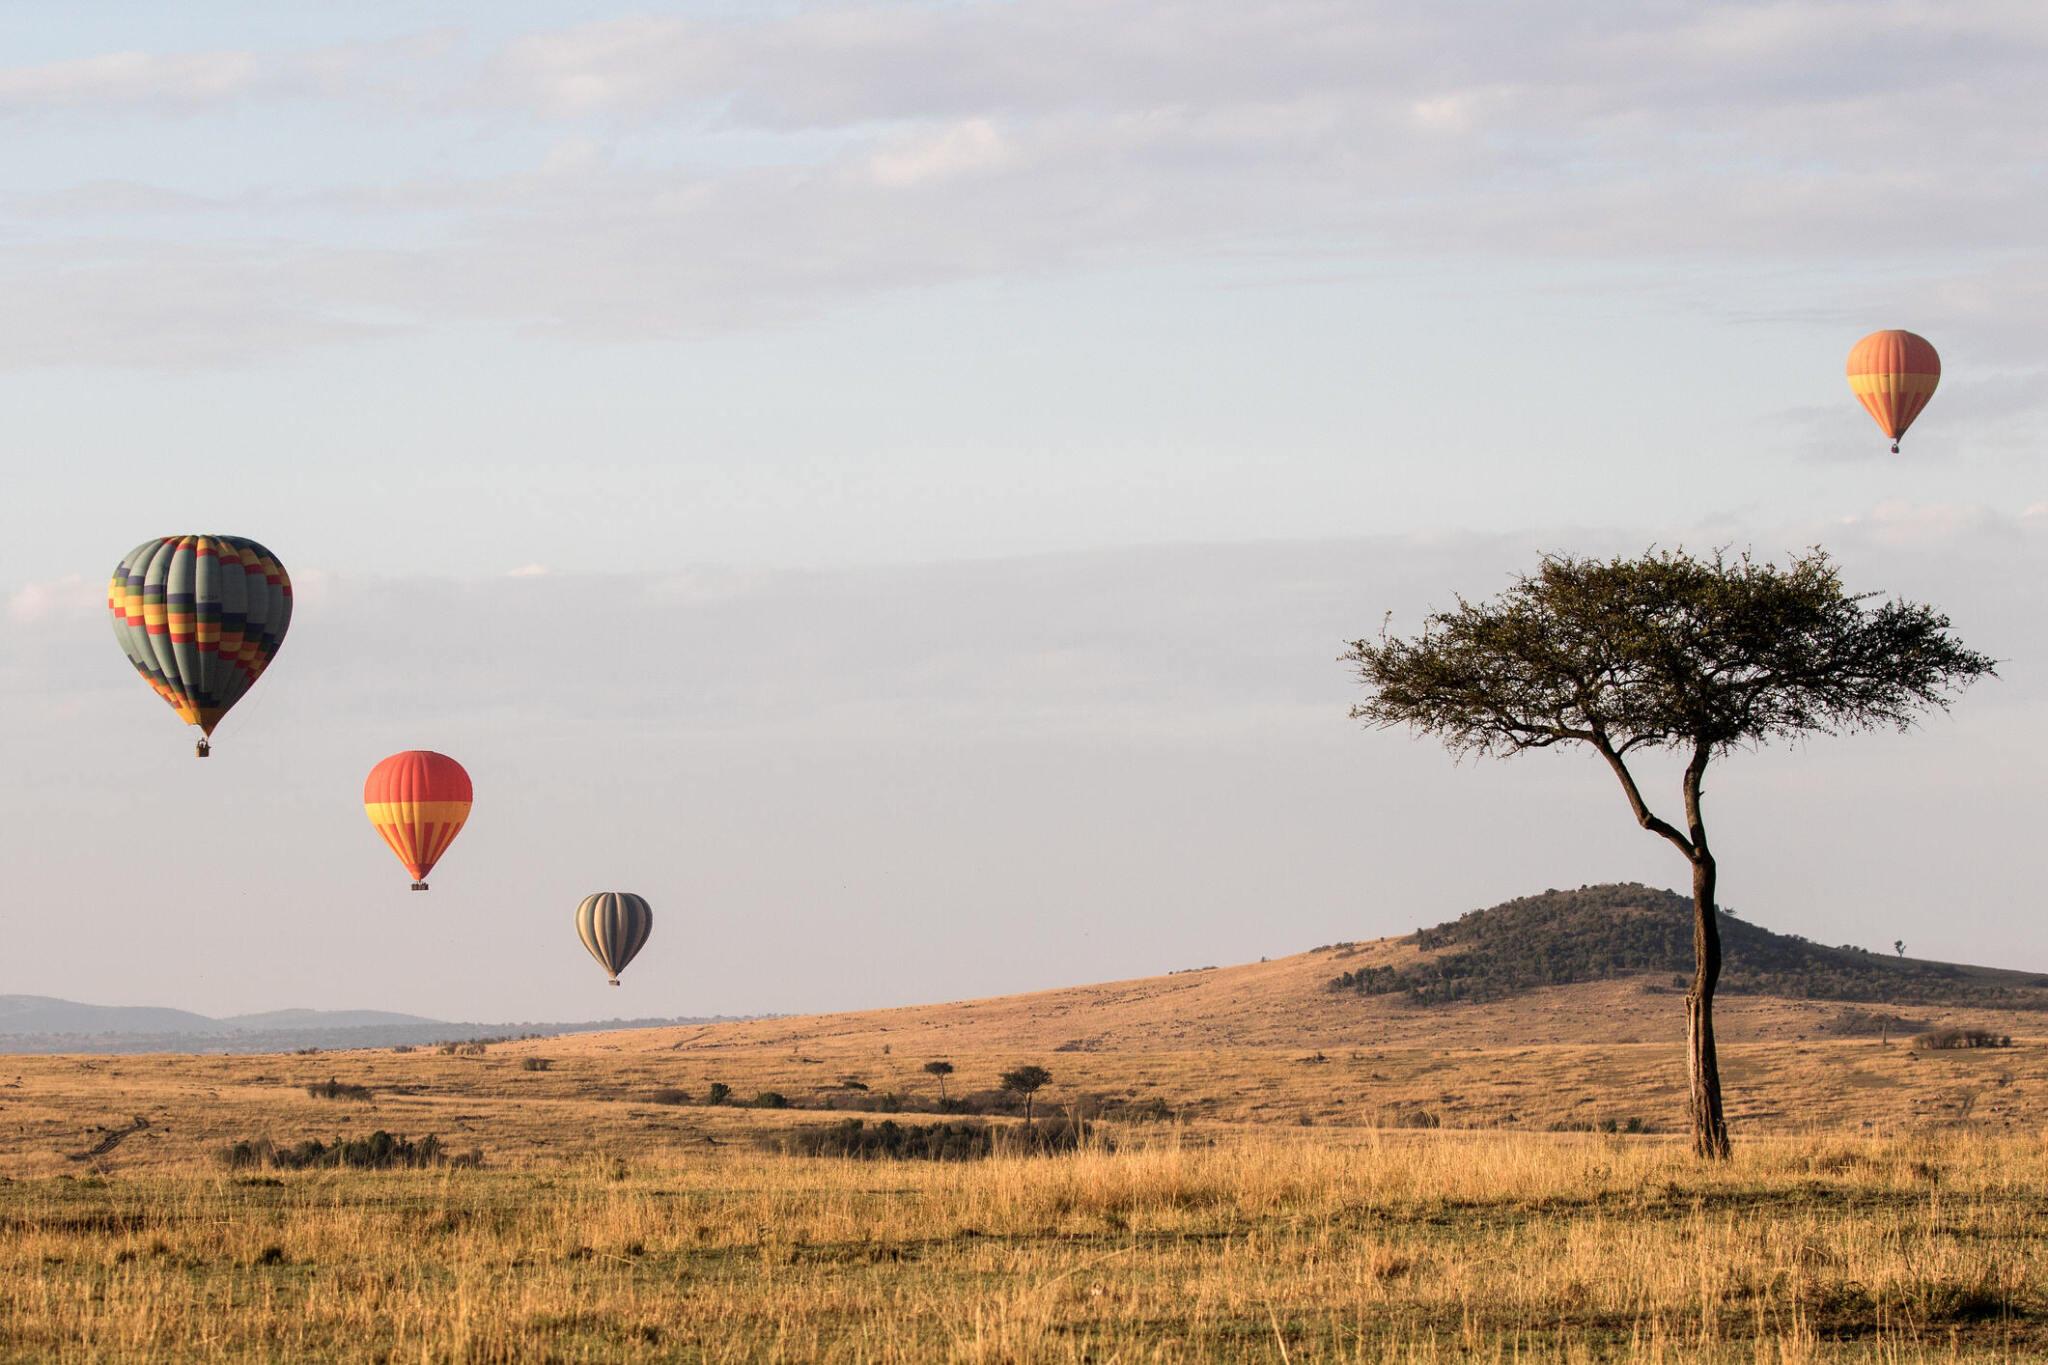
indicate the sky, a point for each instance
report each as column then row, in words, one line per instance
column 891, row 482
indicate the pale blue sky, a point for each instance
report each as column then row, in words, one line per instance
column 763, row 306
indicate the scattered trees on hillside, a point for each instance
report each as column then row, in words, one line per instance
column 1700, row 656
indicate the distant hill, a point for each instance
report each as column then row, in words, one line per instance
column 42, row 1024
column 1601, row 933
column 1596, row 966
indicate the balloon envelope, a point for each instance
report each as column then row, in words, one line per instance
column 614, row 926
column 200, row 617
column 1893, row 374
column 418, row 800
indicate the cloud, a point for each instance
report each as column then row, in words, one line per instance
column 133, row 78
column 687, row 175
column 69, row 597
column 156, row 82
column 970, row 145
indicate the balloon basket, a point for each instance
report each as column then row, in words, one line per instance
column 1895, row 447
column 419, row 886
column 201, row 749
column 615, row 981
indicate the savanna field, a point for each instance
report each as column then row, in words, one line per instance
column 1510, row 1184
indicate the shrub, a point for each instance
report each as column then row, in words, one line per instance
column 719, row 1093
column 1947, row 1039
column 380, row 1151
column 893, row 1141
column 402, row 1047
column 331, row 1089
column 771, row 1099
column 670, row 1095
column 536, row 1064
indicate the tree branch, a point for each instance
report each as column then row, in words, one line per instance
column 1644, row 815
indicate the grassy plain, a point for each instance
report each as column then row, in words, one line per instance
column 1231, row 1244
column 1885, row 1203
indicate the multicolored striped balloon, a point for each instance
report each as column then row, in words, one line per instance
column 419, row 801
column 614, row 926
column 200, row 617
column 1893, row 374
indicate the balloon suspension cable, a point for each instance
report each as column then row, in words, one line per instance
column 419, row 886
column 203, row 747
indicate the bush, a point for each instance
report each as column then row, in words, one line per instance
column 670, row 1096
column 536, row 1064
column 331, row 1089
column 1948, row 1039
column 771, row 1099
column 380, row 1151
column 402, row 1047
column 719, row 1093
column 893, row 1141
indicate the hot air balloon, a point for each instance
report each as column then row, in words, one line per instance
column 418, row 800
column 200, row 617
column 614, row 925
column 1893, row 374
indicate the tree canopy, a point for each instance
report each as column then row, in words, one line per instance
column 1662, row 651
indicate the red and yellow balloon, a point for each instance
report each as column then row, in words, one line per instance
column 1893, row 374
column 418, row 800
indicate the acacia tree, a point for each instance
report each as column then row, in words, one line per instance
column 941, row 1070
column 1026, row 1081
column 1672, row 652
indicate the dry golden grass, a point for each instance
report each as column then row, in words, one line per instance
column 1884, row 1204
column 1274, row 1245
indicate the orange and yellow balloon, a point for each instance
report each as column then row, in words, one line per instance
column 1893, row 374
column 418, row 800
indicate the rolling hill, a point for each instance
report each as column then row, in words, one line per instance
column 1587, row 966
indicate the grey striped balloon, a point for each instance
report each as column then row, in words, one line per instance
column 614, row 925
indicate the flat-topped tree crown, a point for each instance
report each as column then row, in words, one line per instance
column 1664, row 651
column 1668, row 651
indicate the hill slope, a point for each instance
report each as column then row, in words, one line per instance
column 1600, row 933
column 1783, row 987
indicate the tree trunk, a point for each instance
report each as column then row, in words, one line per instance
column 1709, row 1128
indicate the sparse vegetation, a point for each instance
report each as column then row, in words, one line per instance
column 718, row 1092
column 331, row 1089
column 380, row 1151
column 535, row 1064
column 895, row 1141
column 1951, row 1039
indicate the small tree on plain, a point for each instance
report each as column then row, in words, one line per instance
column 1026, row 1081
column 1673, row 652
column 940, row 1070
